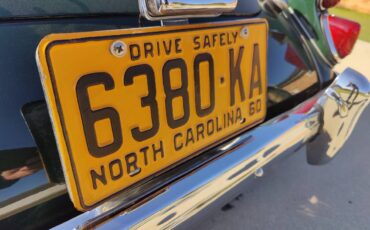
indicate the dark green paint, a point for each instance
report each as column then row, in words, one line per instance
column 311, row 12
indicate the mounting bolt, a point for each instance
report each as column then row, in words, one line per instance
column 259, row 172
column 244, row 32
column 118, row 48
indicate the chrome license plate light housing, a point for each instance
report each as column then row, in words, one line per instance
column 173, row 9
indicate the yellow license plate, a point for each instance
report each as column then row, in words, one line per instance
column 128, row 104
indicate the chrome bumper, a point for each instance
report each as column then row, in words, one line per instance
column 324, row 123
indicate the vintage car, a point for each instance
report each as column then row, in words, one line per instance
column 122, row 114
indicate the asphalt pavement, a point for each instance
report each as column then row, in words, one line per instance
column 294, row 195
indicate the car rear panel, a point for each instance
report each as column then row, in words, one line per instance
column 291, row 79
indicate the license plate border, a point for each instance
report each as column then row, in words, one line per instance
column 86, row 36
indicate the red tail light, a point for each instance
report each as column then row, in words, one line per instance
column 293, row 58
column 307, row 106
column 344, row 33
column 329, row 3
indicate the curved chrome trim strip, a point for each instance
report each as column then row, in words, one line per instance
column 310, row 38
column 310, row 121
column 328, row 37
column 329, row 61
column 32, row 200
column 291, row 17
column 319, row 5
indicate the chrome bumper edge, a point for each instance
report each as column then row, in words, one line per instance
column 324, row 122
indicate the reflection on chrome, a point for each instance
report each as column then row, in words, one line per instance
column 317, row 122
column 341, row 108
column 232, row 144
column 157, row 9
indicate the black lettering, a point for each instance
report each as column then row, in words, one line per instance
column 118, row 166
column 256, row 70
column 158, row 49
column 144, row 151
column 230, row 118
column 101, row 177
column 147, row 101
column 255, row 107
column 204, row 57
column 222, row 39
column 218, row 128
column 210, row 127
column 148, row 49
column 176, row 143
column 207, row 43
column 200, row 131
column 224, row 120
column 259, row 105
column 157, row 151
column 235, row 35
column 238, row 117
column 196, row 43
column 229, row 41
column 167, row 46
column 189, row 137
column 177, row 45
column 235, row 75
column 214, row 39
column 173, row 93
column 131, row 164
column 252, row 109
column 89, row 116
column 135, row 52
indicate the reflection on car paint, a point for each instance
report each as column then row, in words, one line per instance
column 21, row 171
